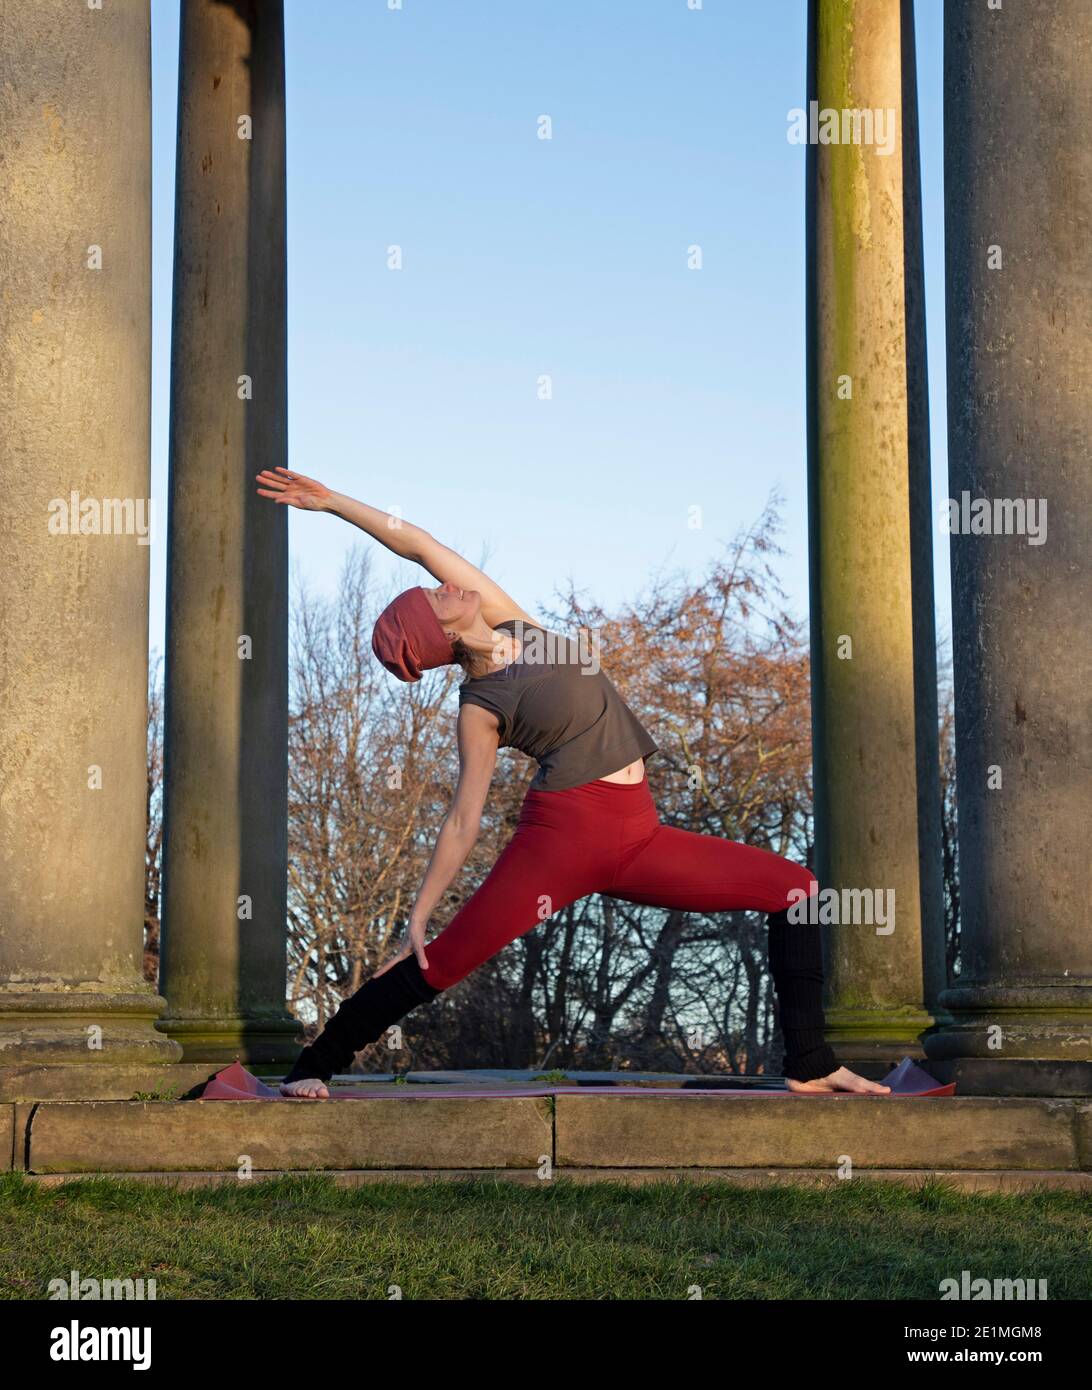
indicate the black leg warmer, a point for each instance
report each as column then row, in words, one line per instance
column 363, row 1019
column 796, row 965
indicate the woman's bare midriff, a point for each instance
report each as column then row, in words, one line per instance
column 633, row 772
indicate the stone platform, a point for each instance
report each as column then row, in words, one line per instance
column 629, row 1127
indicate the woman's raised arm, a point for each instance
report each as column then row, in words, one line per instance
column 406, row 540
column 298, row 490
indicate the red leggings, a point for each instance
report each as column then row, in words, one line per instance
column 604, row 837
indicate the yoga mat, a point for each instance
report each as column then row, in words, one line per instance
column 236, row 1083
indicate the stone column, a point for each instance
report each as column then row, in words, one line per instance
column 922, row 516
column 1018, row 175
column 859, row 465
column 225, row 853
column 75, row 392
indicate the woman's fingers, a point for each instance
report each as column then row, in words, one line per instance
column 292, row 488
column 408, row 947
column 284, row 481
column 402, row 954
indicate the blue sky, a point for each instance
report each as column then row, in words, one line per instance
column 672, row 388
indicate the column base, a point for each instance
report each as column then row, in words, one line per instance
column 82, row 1027
column 982, row 1076
column 102, row 1081
column 252, row 1041
column 1022, row 1040
column 877, row 1039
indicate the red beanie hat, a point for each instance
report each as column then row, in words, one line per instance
column 408, row 638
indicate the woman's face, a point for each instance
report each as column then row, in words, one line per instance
column 456, row 608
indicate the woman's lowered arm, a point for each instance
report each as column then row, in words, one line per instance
column 478, row 741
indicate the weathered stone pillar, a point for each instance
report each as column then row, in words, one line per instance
column 1018, row 175
column 75, row 391
column 225, row 855
column 922, row 517
column 859, row 463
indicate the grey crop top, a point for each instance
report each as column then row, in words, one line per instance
column 555, row 704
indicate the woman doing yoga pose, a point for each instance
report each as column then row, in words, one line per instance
column 588, row 823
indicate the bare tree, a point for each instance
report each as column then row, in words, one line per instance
column 949, row 838
column 153, row 844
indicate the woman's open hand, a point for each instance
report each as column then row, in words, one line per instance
column 412, row 944
column 841, row 1080
column 295, row 489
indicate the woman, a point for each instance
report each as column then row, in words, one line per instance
column 587, row 825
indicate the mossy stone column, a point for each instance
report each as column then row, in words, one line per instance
column 225, row 834
column 1018, row 235
column 75, row 400
column 860, row 461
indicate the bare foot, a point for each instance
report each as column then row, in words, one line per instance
column 309, row 1089
column 841, row 1080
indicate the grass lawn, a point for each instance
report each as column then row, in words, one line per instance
column 298, row 1238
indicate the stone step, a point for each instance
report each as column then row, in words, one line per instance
column 581, row 1130
column 815, row 1132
